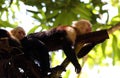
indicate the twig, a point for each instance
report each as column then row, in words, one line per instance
column 114, row 28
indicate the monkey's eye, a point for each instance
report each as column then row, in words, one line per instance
column 19, row 32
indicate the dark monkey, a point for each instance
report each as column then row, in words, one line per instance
column 61, row 37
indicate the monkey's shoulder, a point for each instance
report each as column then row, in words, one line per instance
column 70, row 32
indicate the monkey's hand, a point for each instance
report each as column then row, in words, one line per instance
column 77, row 68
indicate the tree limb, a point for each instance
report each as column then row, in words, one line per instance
column 114, row 28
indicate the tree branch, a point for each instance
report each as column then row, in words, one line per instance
column 114, row 28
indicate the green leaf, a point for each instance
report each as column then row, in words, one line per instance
column 6, row 24
column 115, row 19
column 33, row 29
column 103, row 45
column 67, row 74
column 114, row 43
column 59, row 19
column 53, row 14
column 81, row 10
column 65, row 18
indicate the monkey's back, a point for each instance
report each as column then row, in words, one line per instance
column 53, row 39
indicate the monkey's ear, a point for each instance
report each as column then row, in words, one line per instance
column 12, row 32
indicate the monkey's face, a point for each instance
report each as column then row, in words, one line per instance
column 20, row 34
column 83, row 27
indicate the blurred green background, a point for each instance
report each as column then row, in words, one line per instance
column 39, row 15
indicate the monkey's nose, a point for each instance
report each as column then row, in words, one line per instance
column 88, row 30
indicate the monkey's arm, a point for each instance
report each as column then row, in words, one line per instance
column 93, row 37
column 85, row 50
column 70, row 53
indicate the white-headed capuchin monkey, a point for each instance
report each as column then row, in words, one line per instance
column 10, row 65
column 18, row 33
column 33, row 49
column 12, row 40
column 62, row 37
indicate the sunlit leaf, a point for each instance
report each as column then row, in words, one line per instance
column 65, row 18
column 33, row 29
column 115, row 19
column 114, row 46
column 51, row 15
column 6, row 24
column 67, row 74
column 103, row 45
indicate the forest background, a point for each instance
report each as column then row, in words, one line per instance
column 40, row 15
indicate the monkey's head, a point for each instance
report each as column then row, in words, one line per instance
column 4, row 34
column 82, row 26
column 18, row 33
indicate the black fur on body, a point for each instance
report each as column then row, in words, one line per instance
column 13, row 59
column 57, row 38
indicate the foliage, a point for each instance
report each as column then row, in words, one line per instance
column 51, row 13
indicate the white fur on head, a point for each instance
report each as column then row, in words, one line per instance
column 18, row 32
column 83, row 26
